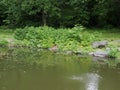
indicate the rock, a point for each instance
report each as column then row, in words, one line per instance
column 119, row 49
column 68, row 52
column 108, row 49
column 54, row 48
column 79, row 52
column 99, row 53
column 91, row 53
column 99, row 44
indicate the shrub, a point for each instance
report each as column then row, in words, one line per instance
column 46, row 37
column 113, row 53
column 20, row 34
column 3, row 43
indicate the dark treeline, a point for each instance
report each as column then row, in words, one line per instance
column 60, row 13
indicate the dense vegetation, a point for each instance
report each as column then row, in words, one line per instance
column 60, row 13
column 75, row 40
column 54, row 23
column 65, row 39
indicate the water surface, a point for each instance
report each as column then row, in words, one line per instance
column 25, row 69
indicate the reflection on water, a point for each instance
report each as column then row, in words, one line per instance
column 25, row 69
column 91, row 80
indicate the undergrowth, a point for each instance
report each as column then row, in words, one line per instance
column 66, row 39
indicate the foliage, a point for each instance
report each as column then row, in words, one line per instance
column 46, row 37
column 65, row 13
column 113, row 53
column 20, row 34
column 20, row 12
column 3, row 43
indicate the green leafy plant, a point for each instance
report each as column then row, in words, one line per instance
column 46, row 37
column 20, row 34
column 112, row 53
column 3, row 43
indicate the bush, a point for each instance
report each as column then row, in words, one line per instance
column 20, row 34
column 3, row 43
column 113, row 53
column 46, row 37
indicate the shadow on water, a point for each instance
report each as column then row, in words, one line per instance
column 26, row 69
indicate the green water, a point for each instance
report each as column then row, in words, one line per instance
column 25, row 69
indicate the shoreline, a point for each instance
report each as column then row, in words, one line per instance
column 66, row 52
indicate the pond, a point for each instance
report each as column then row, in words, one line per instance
column 26, row 69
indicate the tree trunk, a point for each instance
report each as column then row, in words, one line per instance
column 44, row 18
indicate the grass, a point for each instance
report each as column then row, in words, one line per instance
column 6, row 37
column 6, row 34
column 108, row 34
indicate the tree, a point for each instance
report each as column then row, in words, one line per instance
column 2, row 12
column 17, row 10
column 114, row 13
column 66, row 13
